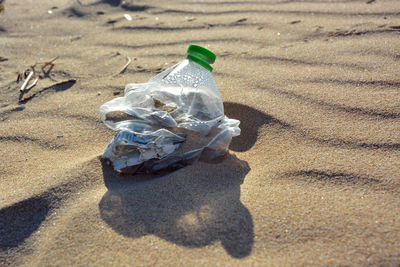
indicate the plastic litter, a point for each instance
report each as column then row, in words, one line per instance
column 171, row 121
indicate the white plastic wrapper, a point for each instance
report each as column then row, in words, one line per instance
column 178, row 108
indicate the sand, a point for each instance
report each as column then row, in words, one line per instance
column 314, row 178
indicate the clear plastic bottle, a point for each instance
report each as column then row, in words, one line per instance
column 183, row 96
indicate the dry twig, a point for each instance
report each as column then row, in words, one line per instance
column 126, row 65
column 29, row 73
column 22, row 89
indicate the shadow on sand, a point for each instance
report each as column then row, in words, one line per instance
column 194, row 206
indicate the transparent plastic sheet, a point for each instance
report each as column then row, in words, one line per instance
column 169, row 122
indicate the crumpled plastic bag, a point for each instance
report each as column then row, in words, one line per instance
column 163, row 127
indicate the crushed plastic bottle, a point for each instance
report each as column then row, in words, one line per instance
column 174, row 119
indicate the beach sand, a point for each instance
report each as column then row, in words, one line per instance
column 313, row 179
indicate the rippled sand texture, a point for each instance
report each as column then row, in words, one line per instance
column 314, row 179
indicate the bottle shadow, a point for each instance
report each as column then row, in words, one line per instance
column 193, row 207
column 250, row 122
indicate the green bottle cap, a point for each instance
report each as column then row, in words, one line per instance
column 201, row 56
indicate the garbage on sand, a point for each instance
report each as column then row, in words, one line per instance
column 171, row 121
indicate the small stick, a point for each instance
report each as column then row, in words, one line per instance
column 32, row 84
column 50, row 62
column 53, row 59
column 126, row 65
column 26, row 82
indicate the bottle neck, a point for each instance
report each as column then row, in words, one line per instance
column 200, row 59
